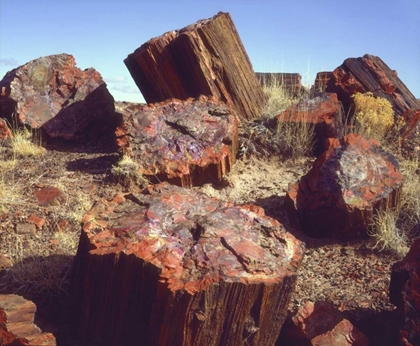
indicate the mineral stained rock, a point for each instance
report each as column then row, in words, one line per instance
column 52, row 93
column 321, row 81
column 17, row 323
column 323, row 112
column 405, row 294
column 204, row 58
column 348, row 183
column 172, row 266
column 320, row 323
column 5, row 131
column 187, row 143
column 291, row 82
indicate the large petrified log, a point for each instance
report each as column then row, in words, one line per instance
column 346, row 185
column 52, row 93
column 187, row 142
column 291, row 82
column 323, row 112
column 172, row 266
column 404, row 292
column 205, row 58
column 17, row 323
column 370, row 73
column 320, row 323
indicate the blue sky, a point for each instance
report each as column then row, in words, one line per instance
column 279, row 36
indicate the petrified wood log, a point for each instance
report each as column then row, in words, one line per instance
column 290, row 81
column 52, row 93
column 404, row 292
column 187, row 142
column 171, row 266
column 323, row 112
column 346, row 185
column 205, row 58
column 17, row 323
column 321, row 82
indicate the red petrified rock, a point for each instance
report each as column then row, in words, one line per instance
column 323, row 112
column 205, row 58
column 345, row 186
column 291, row 82
column 4, row 130
column 405, row 294
column 185, row 142
column 172, row 266
column 52, row 93
column 17, row 323
column 48, row 195
column 321, row 81
column 321, row 324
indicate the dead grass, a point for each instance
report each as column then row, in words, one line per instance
column 26, row 143
column 126, row 172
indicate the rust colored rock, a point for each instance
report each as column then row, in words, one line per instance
column 53, row 94
column 17, row 323
column 404, row 292
column 37, row 221
column 5, row 131
column 187, row 142
column 205, row 58
column 370, row 73
column 321, row 324
column 172, row 266
column 348, row 183
column 48, row 195
column 323, row 112
column 292, row 82
column 321, row 81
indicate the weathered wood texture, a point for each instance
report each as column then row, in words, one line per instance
column 370, row 73
column 205, row 58
column 187, row 143
column 172, row 266
column 17, row 323
column 292, row 82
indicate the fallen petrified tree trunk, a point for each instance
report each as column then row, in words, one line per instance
column 292, row 82
column 205, row 58
column 187, row 142
column 171, row 266
column 17, row 323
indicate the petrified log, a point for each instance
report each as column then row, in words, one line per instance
column 323, row 112
column 346, row 185
column 205, row 58
column 172, row 266
column 52, row 93
column 290, row 81
column 320, row 323
column 187, row 142
column 17, row 323
column 404, row 292
column 321, row 82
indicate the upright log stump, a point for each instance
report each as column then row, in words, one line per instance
column 205, row 58
column 172, row 266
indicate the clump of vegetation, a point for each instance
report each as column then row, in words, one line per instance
column 25, row 143
column 126, row 172
column 374, row 116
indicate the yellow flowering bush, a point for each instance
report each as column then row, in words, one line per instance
column 374, row 115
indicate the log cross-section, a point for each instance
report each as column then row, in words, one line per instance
column 172, row 266
column 205, row 58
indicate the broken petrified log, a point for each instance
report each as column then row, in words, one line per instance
column 370, row 73
column 321, row 82
column 404, row 292
column 205, row 58
column 320, row 323
column 187, row 142
column 53, row 94
column 323, row 112
column 353, row 179
column 17, row 323
column 291, row 82
column 172, row 266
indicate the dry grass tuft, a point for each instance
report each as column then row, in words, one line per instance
column 126, row 172
column 25, row 143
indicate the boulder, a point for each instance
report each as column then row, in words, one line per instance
column 320, row 323
column 53, row 94
column 187, row 143
column 204, row 58
column 172, row 266
column 17, row 323
column 323, row 112
column 404, row 292
column 291, row 82
column 348, row 183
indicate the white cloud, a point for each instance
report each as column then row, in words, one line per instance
column 116, row 79
column 9, row 62
column 126, row 89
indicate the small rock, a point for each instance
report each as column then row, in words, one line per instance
column 25, row 228
column 48, row 195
